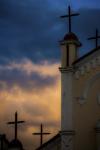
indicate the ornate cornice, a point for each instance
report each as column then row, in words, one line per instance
column 66, row 69
column 67, row 132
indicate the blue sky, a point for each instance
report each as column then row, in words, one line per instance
column 33, row 28
column 30, row 31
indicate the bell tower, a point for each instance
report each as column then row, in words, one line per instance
column 69, row 46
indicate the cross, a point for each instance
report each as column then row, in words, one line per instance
column 41, row 133
column 16, row 122
column 69, row 16
column 95, row 38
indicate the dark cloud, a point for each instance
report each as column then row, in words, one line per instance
column 86, row 27
column 25, row 81
column 32, row 29
column 85, row 3
column 27, row 30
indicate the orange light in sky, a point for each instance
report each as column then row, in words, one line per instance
column 35, row 105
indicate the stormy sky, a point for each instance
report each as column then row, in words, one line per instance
column 30, row 31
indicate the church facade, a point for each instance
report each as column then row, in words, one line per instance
column 80, row 98
column 80, row 81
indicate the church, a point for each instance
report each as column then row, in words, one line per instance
column 80, row 99
column 80, row 96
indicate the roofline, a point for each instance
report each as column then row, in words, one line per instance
column 86, row 55
column 49, row 141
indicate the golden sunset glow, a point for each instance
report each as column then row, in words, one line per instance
column 35, row 105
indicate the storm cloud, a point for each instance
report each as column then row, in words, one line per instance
column 32, row 29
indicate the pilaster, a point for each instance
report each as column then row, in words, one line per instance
column 67, row 132
column 66, row 98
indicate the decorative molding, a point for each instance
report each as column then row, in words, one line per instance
column 67, row 139
column 67, row 143
column 66, row 69
column 69, row 132
column 86, row 67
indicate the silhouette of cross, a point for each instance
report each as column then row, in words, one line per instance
column 69, row 16
column 95, row 38
column 41, row 133
column 16, row 122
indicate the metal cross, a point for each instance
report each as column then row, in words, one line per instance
column 69, row 16
column 16, row 122
column 41, row 133
column 95, row 38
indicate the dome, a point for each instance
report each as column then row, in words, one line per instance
column 16, row 144
column 70, row 36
